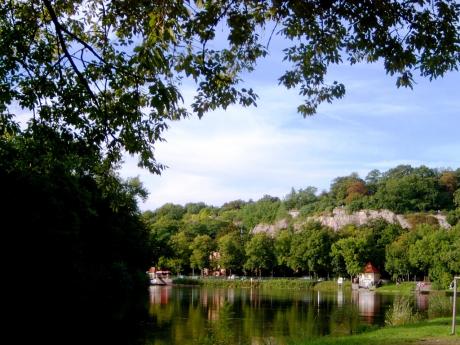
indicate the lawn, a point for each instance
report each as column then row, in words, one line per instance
column 402, row 288
column 431, row 332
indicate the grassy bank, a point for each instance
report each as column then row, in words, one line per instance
column 275, row 283
column 281, row 283
column 431, row 332
column 331, row 285
column 404, row 288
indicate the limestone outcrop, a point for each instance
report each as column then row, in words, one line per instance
column 271, row 229
column 340, row 218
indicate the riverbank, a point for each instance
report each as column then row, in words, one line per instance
column 275, row 283
column 404, row 288
column 281, row 283
column 430, row 332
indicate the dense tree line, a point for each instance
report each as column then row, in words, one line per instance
column 401, row 189
column 185, row 236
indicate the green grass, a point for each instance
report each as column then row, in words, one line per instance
column 331, row 285
column 402, row 288
column 292, row 284
column 440, row 305
column 427, row 332
column 187, row 281
column 276, row 283
column 401, row 312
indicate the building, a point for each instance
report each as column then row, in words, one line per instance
column 369, row 277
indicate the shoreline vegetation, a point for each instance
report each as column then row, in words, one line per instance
column 404, row 288
column 272, row 283
column 435, row 331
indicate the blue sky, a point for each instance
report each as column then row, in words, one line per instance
column 244, row 153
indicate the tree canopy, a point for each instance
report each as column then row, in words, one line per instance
column 108, row 73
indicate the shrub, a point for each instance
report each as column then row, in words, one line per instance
column 439, row 305
column 420, row 218
column 401, row 312
column 453, row 217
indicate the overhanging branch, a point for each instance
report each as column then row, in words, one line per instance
column 62, row 42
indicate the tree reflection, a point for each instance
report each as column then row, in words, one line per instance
column 197, row 316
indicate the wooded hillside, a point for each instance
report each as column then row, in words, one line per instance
column 184, row 236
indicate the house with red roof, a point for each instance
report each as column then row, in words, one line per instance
column 369, row 277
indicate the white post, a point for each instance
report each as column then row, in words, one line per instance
column 454, row 305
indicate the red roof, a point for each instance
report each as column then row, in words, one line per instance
column 369, row 268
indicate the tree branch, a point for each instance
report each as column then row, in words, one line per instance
column 58, row 28
column 82, row 42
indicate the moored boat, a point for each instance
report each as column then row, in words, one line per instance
column 159, row 277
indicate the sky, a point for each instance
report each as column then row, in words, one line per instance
column 245, row 153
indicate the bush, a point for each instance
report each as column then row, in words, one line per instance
column 420, row 218
column 453, row 217
column 187, row 281
column 401, row 312
column 439, row 305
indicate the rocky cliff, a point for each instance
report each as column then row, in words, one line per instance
column 340, row 218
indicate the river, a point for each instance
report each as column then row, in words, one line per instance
column 200, row 315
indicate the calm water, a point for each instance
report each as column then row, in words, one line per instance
column 197, row 315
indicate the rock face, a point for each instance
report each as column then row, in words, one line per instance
column 442, row 221
column 341, row 218
column 271, row 229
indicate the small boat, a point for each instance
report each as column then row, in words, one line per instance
column 159, row 277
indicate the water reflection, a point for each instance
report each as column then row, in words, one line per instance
column 160, row 294
column 368, row 303
column 255, row 316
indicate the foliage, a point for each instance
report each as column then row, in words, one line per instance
column 310, row 249
column 416, row 219
column 259, row 253
column 350, row 251
column 114, row 82
column 457, row 197
column 436, row 331
column 302, row 197
column 282, row 247
column 396, row 257
column 439, row 305
column 449, row 181
column 264, row 211
column 245, row 282
column 97, row 79
column 187, row 281
column 436, row 252
column 401, row 312
column 74, row 233
column 306, row 248
column 401, row 288
column 331, row 285
column 416, row 190
column 180, row 244
column 201, row 248
column 453, row 217
column 231, row 252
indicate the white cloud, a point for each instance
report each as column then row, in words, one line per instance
column 248, row 152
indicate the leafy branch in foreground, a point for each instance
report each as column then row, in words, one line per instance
column 110, row 72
